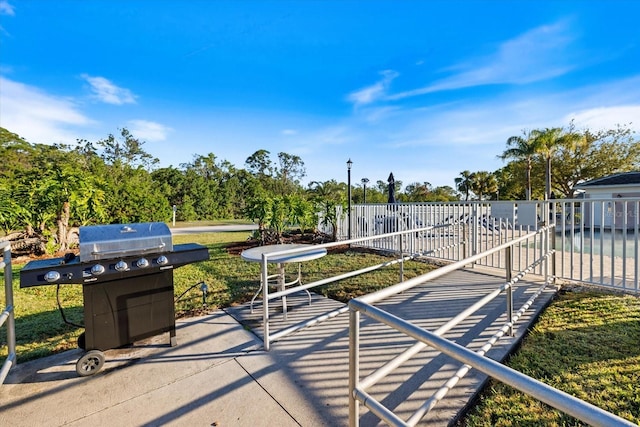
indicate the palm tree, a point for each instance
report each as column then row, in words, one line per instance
column 464, row 183
column 483, row 183
column 547, row 142
column 522, row 148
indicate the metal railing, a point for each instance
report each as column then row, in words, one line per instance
column 7, row 314
column 358, row 388
column 394, row 242
column 597, row 240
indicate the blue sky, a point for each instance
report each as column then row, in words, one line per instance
column 423, row 89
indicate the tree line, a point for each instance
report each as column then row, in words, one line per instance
column 49, row 189
column 574, row 157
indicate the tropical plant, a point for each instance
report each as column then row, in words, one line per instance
column 522, row 148
column 464, row 183
column 483, row 183
column 547, row 141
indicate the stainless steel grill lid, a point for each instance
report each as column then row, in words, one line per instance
column 115, row 240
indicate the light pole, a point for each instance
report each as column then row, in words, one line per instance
column 364, row 187
column 349, row 163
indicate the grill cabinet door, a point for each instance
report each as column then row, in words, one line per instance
column 120, row 312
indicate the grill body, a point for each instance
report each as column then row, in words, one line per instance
column 127, row 276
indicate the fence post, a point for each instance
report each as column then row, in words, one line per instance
column 475, row 230
column 8, row 314
column 509, row 290
column 354, row 366
column 401, row 259
column 553, row 248
column 265, row 300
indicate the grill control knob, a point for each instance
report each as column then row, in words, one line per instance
column 52, row 276
column 142, row 263
column 97, row 270
column 121, row 266
column 162, row 260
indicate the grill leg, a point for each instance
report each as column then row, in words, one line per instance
column 172, row 338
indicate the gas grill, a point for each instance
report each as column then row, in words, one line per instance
column 127, row 275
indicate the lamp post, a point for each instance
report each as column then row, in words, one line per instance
column 364, row 187
column 349, row 163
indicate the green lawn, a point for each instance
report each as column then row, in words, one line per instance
column 586, row 343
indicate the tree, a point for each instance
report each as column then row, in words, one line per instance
column 290, row 172
column 122, row 167
column 522, row 148
column 258, row 209
column 259, row 164
column 510, row 186
column 547, row 141
column 328, row 190
column 125, row 150
column 303, row 213
column 482, row 183
column 418, row 192
column 327, row 196
column 602, row 153
column 443, row 194
column 464, row 183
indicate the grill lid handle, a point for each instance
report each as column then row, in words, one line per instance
column 130, row 251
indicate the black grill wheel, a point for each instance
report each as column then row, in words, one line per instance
column 90, row 363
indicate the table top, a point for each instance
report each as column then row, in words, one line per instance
column 311, row 252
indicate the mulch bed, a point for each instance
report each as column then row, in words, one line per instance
column 236, row 248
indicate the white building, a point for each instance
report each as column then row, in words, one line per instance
column 617, row 204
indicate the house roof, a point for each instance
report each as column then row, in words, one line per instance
column 618, row 179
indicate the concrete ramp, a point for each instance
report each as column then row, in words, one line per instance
column 218, row 375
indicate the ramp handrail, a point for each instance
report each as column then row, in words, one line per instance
column 358, row 387
column 8, row 314
column 267, row 296
column 558, row 399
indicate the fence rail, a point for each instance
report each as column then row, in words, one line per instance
column 7, row 314
column 597, row 240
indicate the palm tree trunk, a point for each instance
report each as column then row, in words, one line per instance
column 547, row 193
column 528, row 190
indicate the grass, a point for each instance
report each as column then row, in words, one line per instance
column 587, row 343
column 40, row 330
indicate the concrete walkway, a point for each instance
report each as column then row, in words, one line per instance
column 218, row 375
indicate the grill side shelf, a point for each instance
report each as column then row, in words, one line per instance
column 33, row 273
column 76, row 272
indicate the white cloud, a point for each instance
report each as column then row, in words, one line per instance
column 6, row 8
column 148, row 131
column 437, row 142
column 105, row 91
column 603, row 118
column 374, row 92
column 536, row 55
column 37, row 116
column 289, row 132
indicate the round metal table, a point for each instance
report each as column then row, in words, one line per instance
column 309, row 253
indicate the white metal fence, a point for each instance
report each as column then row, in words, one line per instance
column 596, row 240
